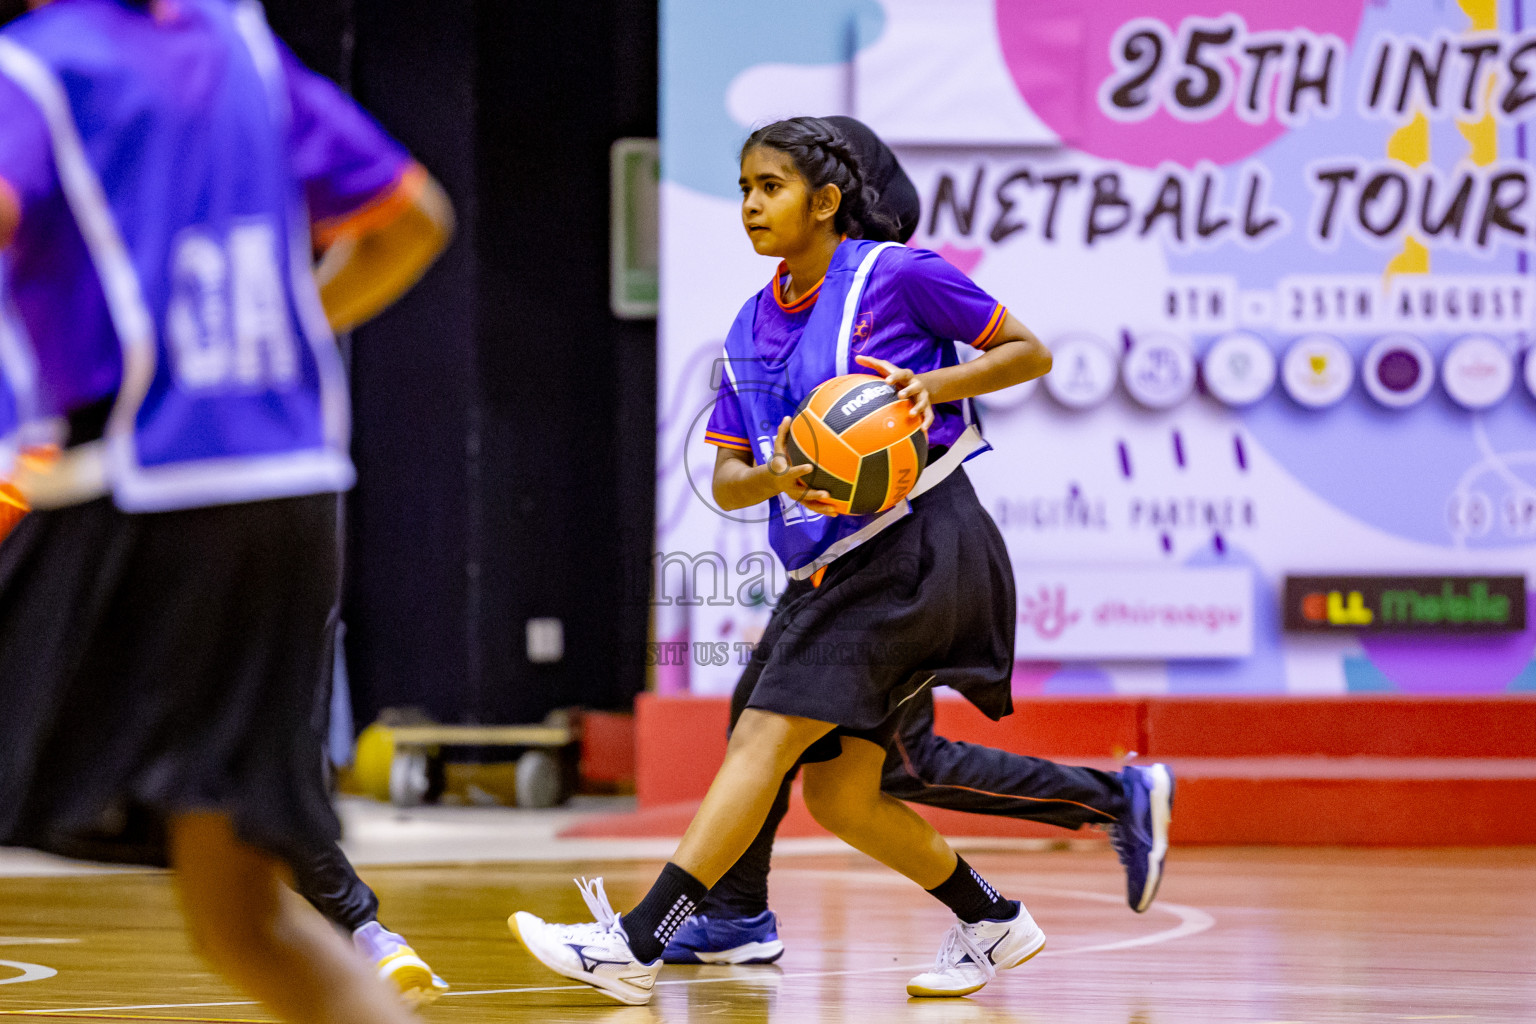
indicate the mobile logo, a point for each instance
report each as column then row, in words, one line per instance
column 1405, row 604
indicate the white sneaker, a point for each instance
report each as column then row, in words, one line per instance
column 972, row 954
column 399, row 964
column 596, row 953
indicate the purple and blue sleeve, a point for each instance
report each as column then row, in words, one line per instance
column 727, row 426
column 354, row 174
column 945, row 302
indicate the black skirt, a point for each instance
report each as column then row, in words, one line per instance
column 162, row 663
column 928, row 602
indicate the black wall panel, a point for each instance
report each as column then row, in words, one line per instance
column 560, row 375
column 505, row 420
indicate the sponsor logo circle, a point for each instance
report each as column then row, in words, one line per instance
column 1317, row 371
column 1159, row 370
column 1083, row 371
column 1478, row 372
column 1239, row 369
column 1398, row 371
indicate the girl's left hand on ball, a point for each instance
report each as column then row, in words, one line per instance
column 908, row 385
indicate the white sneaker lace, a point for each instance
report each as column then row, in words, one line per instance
column 592, row 932
column 597, row 902
column 958, row 945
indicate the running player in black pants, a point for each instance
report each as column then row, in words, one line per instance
column 734, row 924
column 330, row 883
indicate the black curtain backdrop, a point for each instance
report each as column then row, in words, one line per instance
column 319, row 31
column 505, row 421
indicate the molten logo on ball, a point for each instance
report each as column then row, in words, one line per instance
column 863, row 398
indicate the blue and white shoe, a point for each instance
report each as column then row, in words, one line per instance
column 1141, row 839
column 597, row 953
column 726, row 940
column 972, row 954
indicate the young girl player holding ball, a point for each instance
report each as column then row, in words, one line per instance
column 924, row 591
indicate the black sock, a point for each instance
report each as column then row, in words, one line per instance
column 650, row 925
column 971, row 898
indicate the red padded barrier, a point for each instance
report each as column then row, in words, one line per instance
column 1389, row 726
column 1054, row 727
column 670, row 820
column 608, row 748
column 1362, row 811
column 680, row 743
column 1394, row 771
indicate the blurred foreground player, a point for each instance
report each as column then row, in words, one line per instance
column 165, row 168
column 734, row 924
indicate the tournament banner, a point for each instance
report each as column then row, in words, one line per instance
column 1282, row 253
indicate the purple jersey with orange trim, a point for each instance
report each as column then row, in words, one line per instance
column 344, row 161
column 914, row 304
column 170, row 161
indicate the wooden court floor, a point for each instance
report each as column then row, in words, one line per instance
column 1242, row 935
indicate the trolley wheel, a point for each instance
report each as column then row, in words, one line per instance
column 409, row 778
column 540, row 780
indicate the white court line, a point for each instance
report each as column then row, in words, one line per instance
column 29, row 972
column 143, row 1006
column 16, row 940
column 1192, row 921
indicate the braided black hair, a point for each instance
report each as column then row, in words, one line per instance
column 881, row 171
column 822, row 155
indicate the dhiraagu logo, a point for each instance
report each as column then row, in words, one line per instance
column 1405, row 603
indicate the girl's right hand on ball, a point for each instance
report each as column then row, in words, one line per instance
column 788, row 479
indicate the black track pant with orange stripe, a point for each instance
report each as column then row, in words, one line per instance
column 924, row 768
column 330, row 883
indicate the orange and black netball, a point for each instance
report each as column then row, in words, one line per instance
column 865, row 442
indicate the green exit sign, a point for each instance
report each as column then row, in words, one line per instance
column 634, row 228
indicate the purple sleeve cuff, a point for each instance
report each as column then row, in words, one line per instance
column 725, row 428
column 345, row 160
